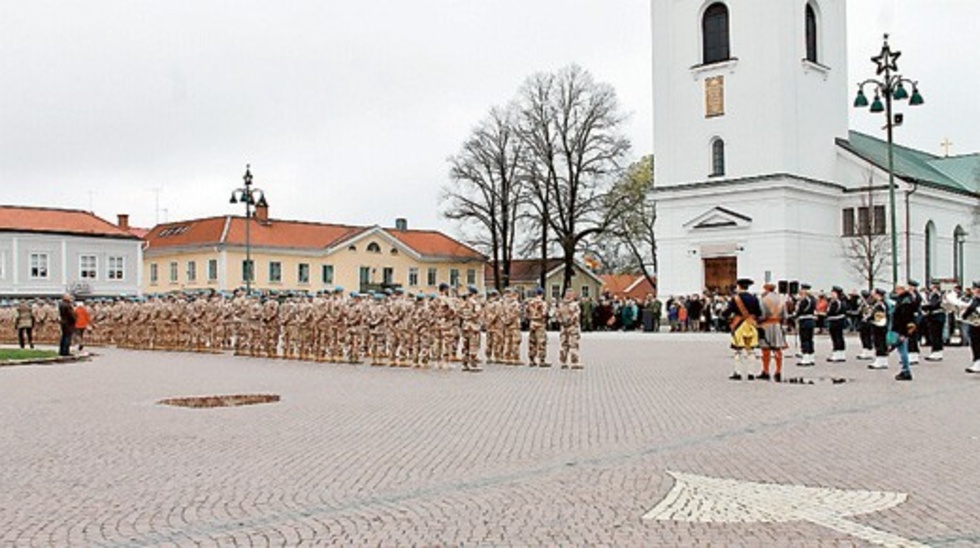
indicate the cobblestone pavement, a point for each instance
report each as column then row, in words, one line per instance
column 516, row 456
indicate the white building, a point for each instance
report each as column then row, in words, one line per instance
column 757, row 174
column 47, row 252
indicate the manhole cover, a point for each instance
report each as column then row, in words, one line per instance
column 207, row 402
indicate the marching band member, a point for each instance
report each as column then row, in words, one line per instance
column 936, row 315
column 971, row 321
column 879, row 329
column 805, row 323
column 916, row 301
column 836, row 312
column 865, row 316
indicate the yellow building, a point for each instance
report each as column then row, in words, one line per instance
column 210, row 253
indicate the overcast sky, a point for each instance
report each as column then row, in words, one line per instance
column 348, row 110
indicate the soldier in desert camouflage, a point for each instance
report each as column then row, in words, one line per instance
column 536, row 311
column 569, row 316
column 470, row 313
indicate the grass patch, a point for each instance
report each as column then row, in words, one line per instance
column 8, row 354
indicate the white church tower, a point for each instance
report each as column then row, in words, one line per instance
column 750, row 97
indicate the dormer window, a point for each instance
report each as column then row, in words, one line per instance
column 714, row 34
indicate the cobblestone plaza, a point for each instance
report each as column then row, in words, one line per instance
column 650, row 445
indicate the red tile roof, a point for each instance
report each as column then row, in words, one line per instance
column 635, row 286
column 58, row 221
column 430, row 243
column 295, row 235
column 138, row 232
column 289, row 234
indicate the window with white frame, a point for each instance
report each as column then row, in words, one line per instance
column 454, row 277
column 39, row 266
column 413, row 277
column 303, row 273
column 191, row 271
column 275, row 271
column 430, row 277
column 212, row 269
column 173, row 272
column 87, row 267
column 327, row 274
column 585, row 292
column 471, row 276
column 154, row 274
column 555, row 291
column 115, row 268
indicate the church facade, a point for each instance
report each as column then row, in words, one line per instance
column 757, row 174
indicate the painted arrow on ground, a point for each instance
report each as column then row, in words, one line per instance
column 702, row 499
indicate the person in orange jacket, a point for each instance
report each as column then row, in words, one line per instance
column 82, row 322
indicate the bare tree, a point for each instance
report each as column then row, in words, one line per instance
column 490, row 188
column 632, row 227
column 571, row 127
column 867, row 252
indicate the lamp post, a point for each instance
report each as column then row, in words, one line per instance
column 892, row 88
column 250, row 196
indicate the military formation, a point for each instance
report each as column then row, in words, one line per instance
column 390, row 328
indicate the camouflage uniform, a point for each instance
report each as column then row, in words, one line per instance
column 445, row 312
column 470, row 311
column 421, row 326
column 536, row 311
column 495, row 336
column 270, row 329
column 510, row 321
column 569, row 316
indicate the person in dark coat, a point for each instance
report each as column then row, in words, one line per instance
column 904, row 323
column 67, row 319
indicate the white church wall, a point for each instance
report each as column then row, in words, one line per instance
column 772, row 123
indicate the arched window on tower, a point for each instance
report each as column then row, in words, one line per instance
column 714, row 34
column 959, row 246
column 717, row 157
column 811, row 33
column 930, row 254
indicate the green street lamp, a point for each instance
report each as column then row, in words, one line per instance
column 891, row 87
column 250, row 196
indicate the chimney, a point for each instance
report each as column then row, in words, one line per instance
column 262, row 210
column 401, row 223
column 122, row 221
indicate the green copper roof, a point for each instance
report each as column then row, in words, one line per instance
column 955, row 173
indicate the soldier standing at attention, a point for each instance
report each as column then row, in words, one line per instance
column 806, row 321
column 536, row 311
column 470, row 311
column 510, row 321
column 570, row 317
column 491, row 318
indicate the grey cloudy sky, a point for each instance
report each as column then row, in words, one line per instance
column 347, row 111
